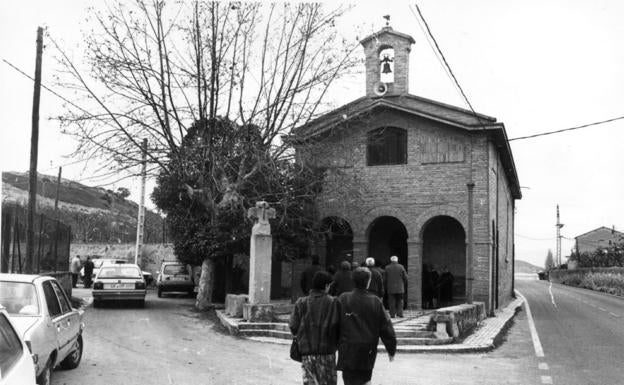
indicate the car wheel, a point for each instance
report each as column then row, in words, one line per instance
column 160, row 292
column 73, row 359
column 191, row 293
column 141, row 303
column 46, row 376
column 97, row 303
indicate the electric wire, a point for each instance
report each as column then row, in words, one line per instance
column 569, row 129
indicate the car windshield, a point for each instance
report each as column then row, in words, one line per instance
column 175, row 269
column 19, row 298
column 97, row 263
column 119, row 272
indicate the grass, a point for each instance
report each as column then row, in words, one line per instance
column 611, row 282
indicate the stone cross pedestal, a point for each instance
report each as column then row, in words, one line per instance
column 258, row 309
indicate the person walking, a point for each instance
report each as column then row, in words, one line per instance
column 396, row 278
column 376, row 285
column 88, row 272
column 343, row 281
column 363, row 321
column 308, row 275
column 74, row 268
column 314, row 323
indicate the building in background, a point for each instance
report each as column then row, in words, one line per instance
column 599, row 238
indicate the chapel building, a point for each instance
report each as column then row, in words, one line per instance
column 431, row 183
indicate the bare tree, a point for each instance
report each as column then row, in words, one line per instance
column 157, row 68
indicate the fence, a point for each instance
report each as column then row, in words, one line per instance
column 51, row 242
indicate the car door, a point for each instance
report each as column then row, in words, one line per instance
column 72, row 315
column 57, row 318
column 70, row 320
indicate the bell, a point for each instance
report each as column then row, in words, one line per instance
column 386, row 68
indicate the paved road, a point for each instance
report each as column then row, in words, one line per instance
column 581, row 333
column 168, row 343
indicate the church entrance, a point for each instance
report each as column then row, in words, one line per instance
column 444, row 251
column 387, row 236
column 338, row 241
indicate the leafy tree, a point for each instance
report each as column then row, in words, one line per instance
column 122, row 193
column 550, row 263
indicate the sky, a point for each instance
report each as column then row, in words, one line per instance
column 536, row 66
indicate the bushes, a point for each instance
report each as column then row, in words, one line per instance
column 608, row 280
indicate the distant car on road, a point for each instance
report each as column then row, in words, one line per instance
column 174, row 276
column 99, row 262
column 119, row 282
column 16, row 362
column 45, row 319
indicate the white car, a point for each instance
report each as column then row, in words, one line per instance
column 16, row 363
column 99, row 262
column 119, row 282
column 46, row 321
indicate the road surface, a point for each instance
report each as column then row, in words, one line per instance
column 581, row 333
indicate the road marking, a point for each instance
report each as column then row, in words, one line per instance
column 615, row 315
column 543, row 366
column 537, row 345
column 602, row 309
column 546, row 380
column 552, row 297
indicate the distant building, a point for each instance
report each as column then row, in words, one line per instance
column 420, row 167
column 599, row 238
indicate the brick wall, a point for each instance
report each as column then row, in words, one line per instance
column 427, row 186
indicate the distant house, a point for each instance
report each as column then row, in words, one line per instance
column 599, row 238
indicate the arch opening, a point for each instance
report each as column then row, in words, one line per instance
column 444, row 250
column 387, row 236
column 338, row 241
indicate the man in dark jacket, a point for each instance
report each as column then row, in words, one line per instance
column 308, row 274
column 88, row 272
column 362, row 322
column 376, row 285
column 396, row 281
column 342, row 280
column 314, row 322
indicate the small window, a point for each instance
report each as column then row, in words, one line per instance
column 175, row 269
column 62, row 298
column 10, row 346
column 386, row 146
column 50, row 296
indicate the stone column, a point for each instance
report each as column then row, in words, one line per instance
column 414, row 274
column 261, row 251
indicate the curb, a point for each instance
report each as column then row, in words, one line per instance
column 485, row 338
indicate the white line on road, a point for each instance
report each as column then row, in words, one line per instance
column 543, row 366
column 546, row 380
column 615, row 315
column 537, row 345
column 602, row 309
column 552, row 297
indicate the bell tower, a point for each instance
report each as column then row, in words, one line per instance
column 387, row 62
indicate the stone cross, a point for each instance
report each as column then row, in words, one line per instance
column 260, row 256
column 261, row 215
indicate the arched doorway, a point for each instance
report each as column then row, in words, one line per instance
column 338, row 241
column 387, row 236
column 444, row 247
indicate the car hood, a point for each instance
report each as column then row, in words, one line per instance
column 23, row 323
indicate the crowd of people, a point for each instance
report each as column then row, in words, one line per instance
column 343, row 312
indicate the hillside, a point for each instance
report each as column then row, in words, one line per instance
column 526, row 267
column 95, row 214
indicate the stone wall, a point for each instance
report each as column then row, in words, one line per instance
column 152, row 255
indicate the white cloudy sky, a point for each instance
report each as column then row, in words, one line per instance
column 536, row 65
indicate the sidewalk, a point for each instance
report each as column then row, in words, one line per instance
column 483, row 338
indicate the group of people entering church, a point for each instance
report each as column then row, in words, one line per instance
column 344, row 313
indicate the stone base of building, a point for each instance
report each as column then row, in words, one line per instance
column 258, row 312
column 234, row 304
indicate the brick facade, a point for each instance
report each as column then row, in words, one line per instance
column 442, row 158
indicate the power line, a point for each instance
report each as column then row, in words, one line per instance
column 569, row 129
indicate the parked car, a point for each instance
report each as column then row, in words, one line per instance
column 98, row 263
column 119, row 282
column 45, row 319
column 16, row 362
column 174, row 276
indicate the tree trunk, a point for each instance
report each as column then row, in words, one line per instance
column 206, row 279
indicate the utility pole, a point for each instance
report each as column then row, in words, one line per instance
column 141, row 217
column 559, row 225
column 58, row 188
column 470, row 245
column 34, row 149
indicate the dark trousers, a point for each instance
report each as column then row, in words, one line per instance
column 74, row 279
column 356, row 377
column 395, row 303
